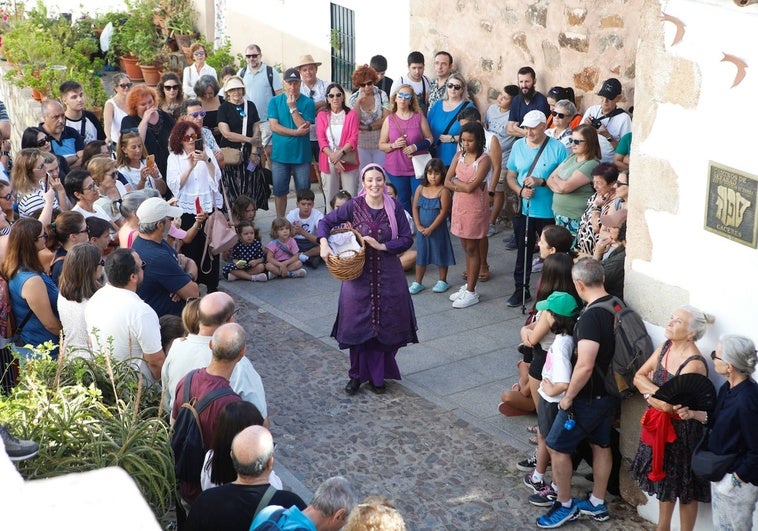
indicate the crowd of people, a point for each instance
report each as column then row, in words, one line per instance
column 95, row 214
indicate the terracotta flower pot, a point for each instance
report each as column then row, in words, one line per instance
column 130, row 68
column 151, row 74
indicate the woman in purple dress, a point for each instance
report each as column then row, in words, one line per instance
column 375, row 316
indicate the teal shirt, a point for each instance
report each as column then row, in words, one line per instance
column 573, row 204
column 291, row 149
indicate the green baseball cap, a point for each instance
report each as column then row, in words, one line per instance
column 560, row 303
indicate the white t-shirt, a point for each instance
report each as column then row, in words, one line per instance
column 97, row 212
column 419, row 87
column 617, row 126
column 194, row 352
column 74, row 326
column 121, row 314
column 317, row 94
column 205, row 475
column 309, row 224
column 557, row 366
column 132, row 175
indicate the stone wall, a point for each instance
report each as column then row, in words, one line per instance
column 22, row 109
column 578, row 44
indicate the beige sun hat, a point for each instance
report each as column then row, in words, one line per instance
column 306, row 60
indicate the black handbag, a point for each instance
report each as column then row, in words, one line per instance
column 709, row 465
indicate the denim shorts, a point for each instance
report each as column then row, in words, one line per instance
column 281, row 176
column 546, row 413
column 594, row 421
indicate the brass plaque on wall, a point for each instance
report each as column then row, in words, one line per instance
column 732, row 202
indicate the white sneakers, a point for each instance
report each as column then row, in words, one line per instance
column 466, row 299
column 455, row 296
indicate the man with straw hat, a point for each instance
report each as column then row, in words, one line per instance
column 315, row 89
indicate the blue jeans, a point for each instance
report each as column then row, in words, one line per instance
column 281, row 176
column 406, row 186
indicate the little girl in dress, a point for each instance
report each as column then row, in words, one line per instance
column 431, row 207
column 282, row 254
column 470, row 218
column 246, row 258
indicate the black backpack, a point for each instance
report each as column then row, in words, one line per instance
column 186, row 434
column 269, row 75
column 633, row 347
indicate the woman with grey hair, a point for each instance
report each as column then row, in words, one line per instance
column 669, row 477
column 129, row 204
column 115, row 108
column 563, row 114
column 206, row 90
column 733, row 431
column 443, row 118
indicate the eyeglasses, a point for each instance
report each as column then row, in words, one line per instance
column 252, row 55
column 619, row 183
column 337, row 95
column 199, row 52
column 575, row 141
column 143, row 265
column 453, row 86
column 113, row 174
column 189, row 138
column 368, row 84
column 311, row 93
column 43, row 142
column 42, row 236
column 92, row 186
column 558, row 115
column 125, row 85
column 404, row 95
column 41, row 167
column 714, row 357
column 7, row 197
column 85, row 230
column 101, row 263
column 198, row 114
column 170, row 87
column 130, row 130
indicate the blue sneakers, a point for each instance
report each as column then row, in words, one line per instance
column 599, row 513
column 559, row 515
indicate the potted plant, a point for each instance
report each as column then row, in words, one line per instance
column 145, row 49
column 221, row 56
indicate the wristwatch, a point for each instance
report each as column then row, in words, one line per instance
column 292, row 111
column 544, row 182
column 491, row 194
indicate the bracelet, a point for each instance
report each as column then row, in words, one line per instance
column 736, row 482
column 705, row 421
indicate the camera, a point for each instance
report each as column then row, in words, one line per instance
column 596, row 123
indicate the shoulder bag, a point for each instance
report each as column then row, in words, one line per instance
column 220, row 235
column 348, row 157
column 233, row 156
column 710, row 465
column 437, row 142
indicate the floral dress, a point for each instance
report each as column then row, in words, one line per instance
column 680, row 482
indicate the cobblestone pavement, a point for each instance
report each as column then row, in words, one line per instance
column 442, row 471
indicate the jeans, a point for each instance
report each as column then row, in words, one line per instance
column 406, row 186
column 281, row 176
column 519, row 228
column 594, row 422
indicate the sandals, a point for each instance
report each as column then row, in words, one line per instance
column 533, row 440
column 484, row 274
column 531, row 429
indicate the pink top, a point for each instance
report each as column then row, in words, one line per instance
column 279, row 254
column 349, row 136
column 396, row 162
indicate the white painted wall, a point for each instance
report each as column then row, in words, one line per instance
column 720, row 275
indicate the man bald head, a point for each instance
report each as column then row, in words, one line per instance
column 253, row 452
column 228, row 343
column 214, row 310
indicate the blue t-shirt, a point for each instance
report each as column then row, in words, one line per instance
column 291, row 519
column 519, row 107
column 520, row 160
column 291, row 149
column 163, row 276
column 33, row 332
column 70, row 143
column 438, row 119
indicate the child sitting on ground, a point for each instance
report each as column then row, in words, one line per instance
column 282, row 258
column 246, row 258
column 304, row 221
column 559, row 311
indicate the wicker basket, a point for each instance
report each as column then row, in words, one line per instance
column 347, row 267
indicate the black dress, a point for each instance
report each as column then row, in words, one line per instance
column 679, row 482
column 236, row 180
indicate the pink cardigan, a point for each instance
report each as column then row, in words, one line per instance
column 349, row 136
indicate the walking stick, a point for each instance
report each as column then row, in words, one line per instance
column 526, row 246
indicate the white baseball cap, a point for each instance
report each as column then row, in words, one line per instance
column 533, row 119
column 156, row 209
